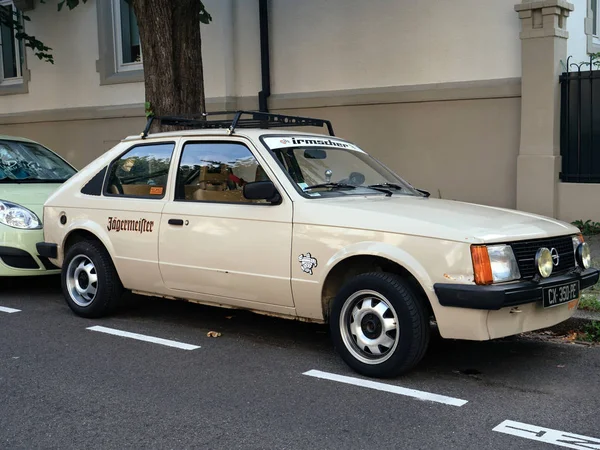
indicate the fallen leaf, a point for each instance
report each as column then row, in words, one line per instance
column 213, row 334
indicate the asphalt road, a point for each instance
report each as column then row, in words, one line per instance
column 65, row 386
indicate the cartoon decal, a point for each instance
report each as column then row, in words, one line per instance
column 307, row 262
column 139, row 226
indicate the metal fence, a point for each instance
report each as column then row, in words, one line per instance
column 580, row 123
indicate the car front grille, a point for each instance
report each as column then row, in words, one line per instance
column 525, row 254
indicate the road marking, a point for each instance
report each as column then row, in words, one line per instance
column 9, row 310
column 548, row 435
column 421, row 395
column 142, row 337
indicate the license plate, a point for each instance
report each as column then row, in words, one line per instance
column 557, row 295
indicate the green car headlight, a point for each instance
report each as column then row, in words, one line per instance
column 17, row 216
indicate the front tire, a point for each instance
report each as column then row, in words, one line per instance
column 90, row 282
column 378, row 325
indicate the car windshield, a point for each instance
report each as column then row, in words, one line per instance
column 26, row 162
column 330, row 171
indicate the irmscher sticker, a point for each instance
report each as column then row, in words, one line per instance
column 138, row 226
column 293, row 141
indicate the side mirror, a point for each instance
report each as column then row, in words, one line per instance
column 425, row 193
column 262, row 190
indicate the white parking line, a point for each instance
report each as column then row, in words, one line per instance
column 548, row 435
column 421, row 395
column 142, row 337
column 9, row 310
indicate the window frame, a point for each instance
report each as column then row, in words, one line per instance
column 121, row 66
column 18, row 84
column 107, row 193
column 279, row 188
column 592, row 22
column 107, row 64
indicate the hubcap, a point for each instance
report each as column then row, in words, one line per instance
column 369, row 327
column 82, row 280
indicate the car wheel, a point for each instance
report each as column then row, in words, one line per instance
column 378, row 325
column 90, row 282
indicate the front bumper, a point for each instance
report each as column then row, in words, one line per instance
column 496, row 297
column 19, row 256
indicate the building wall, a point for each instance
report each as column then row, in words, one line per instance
column 326, row 45
column 579, row 201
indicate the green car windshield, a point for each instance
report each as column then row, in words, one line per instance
column 27, row 162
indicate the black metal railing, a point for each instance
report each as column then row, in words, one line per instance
column 580, row 123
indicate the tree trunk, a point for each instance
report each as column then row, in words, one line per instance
column 172, row 55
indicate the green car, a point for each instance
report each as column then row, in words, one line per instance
column 29, row 173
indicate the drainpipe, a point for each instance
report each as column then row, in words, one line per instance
column 265, row 57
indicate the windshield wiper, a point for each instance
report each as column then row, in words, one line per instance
column 331, row 186
column 375, row 187
column 386, row 185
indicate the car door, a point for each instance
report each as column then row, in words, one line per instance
column 215, row 242
column 135, row 192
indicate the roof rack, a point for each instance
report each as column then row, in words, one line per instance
column 257, row 119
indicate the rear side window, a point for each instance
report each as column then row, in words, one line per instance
column 141, row 172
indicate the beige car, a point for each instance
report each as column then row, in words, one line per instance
column 244, row 213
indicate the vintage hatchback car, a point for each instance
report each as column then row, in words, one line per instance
column 309, row 227
column 29, row 173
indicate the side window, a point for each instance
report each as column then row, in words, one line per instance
column 141, row 172
column 217, row 172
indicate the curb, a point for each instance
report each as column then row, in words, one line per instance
column 577, row 321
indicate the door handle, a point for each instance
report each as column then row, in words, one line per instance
column 178, row 222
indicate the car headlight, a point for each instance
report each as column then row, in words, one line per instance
column 503, row 262
column 494, row 264
column 576, row 241
column 17, row 216
column 544, row 262
column 583, row 255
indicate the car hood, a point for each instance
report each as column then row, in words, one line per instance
column 429, row 217
column 31, row 196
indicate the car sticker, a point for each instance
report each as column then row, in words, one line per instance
column 139, row 226
column 307, row 263
column 156, row 190
column 308, row 141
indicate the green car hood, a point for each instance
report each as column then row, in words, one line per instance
column 31, row 196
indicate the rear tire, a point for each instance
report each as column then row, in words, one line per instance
column 90, row 282
column 379, row 326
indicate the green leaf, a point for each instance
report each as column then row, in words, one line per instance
column 148, row 109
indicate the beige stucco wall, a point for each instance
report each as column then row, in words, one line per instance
column 579, row 201
column 349, row 44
